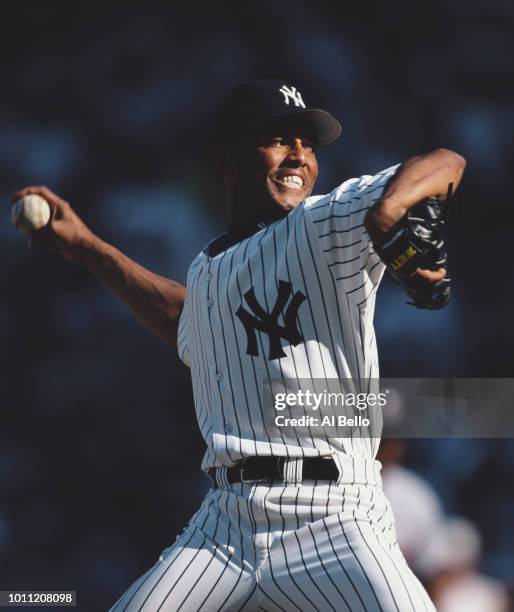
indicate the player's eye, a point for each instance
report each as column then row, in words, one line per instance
column 308, row 146
column 277, row 142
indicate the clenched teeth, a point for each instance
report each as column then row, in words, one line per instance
column 293, row 181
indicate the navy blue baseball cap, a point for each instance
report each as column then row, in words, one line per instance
column 268, row 102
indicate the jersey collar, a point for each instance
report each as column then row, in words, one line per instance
column 222, row 242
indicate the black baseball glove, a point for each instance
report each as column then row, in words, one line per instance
column 417, row 242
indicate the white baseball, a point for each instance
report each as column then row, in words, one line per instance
column 30, row 213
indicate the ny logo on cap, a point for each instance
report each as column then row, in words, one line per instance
column 294, row 94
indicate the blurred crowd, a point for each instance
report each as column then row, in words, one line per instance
column 444, row 550
column 99, row 450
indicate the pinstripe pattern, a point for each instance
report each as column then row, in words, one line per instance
column 295, row 545
column 311, row 548
column 323, row 250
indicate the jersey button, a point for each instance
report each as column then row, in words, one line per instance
column 210, row 303
column 219, row 376
column 208, row 276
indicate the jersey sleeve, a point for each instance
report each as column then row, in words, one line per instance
column 183, row 336
column 337, row 221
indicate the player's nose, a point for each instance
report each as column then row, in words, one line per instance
column 297, row 154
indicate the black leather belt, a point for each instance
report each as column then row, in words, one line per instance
column 261, row 469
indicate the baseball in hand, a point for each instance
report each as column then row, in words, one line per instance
column 30, row 213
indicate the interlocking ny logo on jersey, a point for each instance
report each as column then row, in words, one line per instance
column 293, row 94
column 267, row 323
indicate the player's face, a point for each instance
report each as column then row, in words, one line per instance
column 280, row 168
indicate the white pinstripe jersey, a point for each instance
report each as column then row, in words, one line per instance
column 320, row 249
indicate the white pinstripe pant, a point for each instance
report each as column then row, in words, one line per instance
column 293, row 548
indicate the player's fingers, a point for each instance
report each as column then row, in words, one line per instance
column 49, row 195
column 40, row 190
column 432, row 275
column 21, row 193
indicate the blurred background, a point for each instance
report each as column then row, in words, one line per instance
column 107, row 105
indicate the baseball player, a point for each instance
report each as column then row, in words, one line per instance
column 294, row 520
